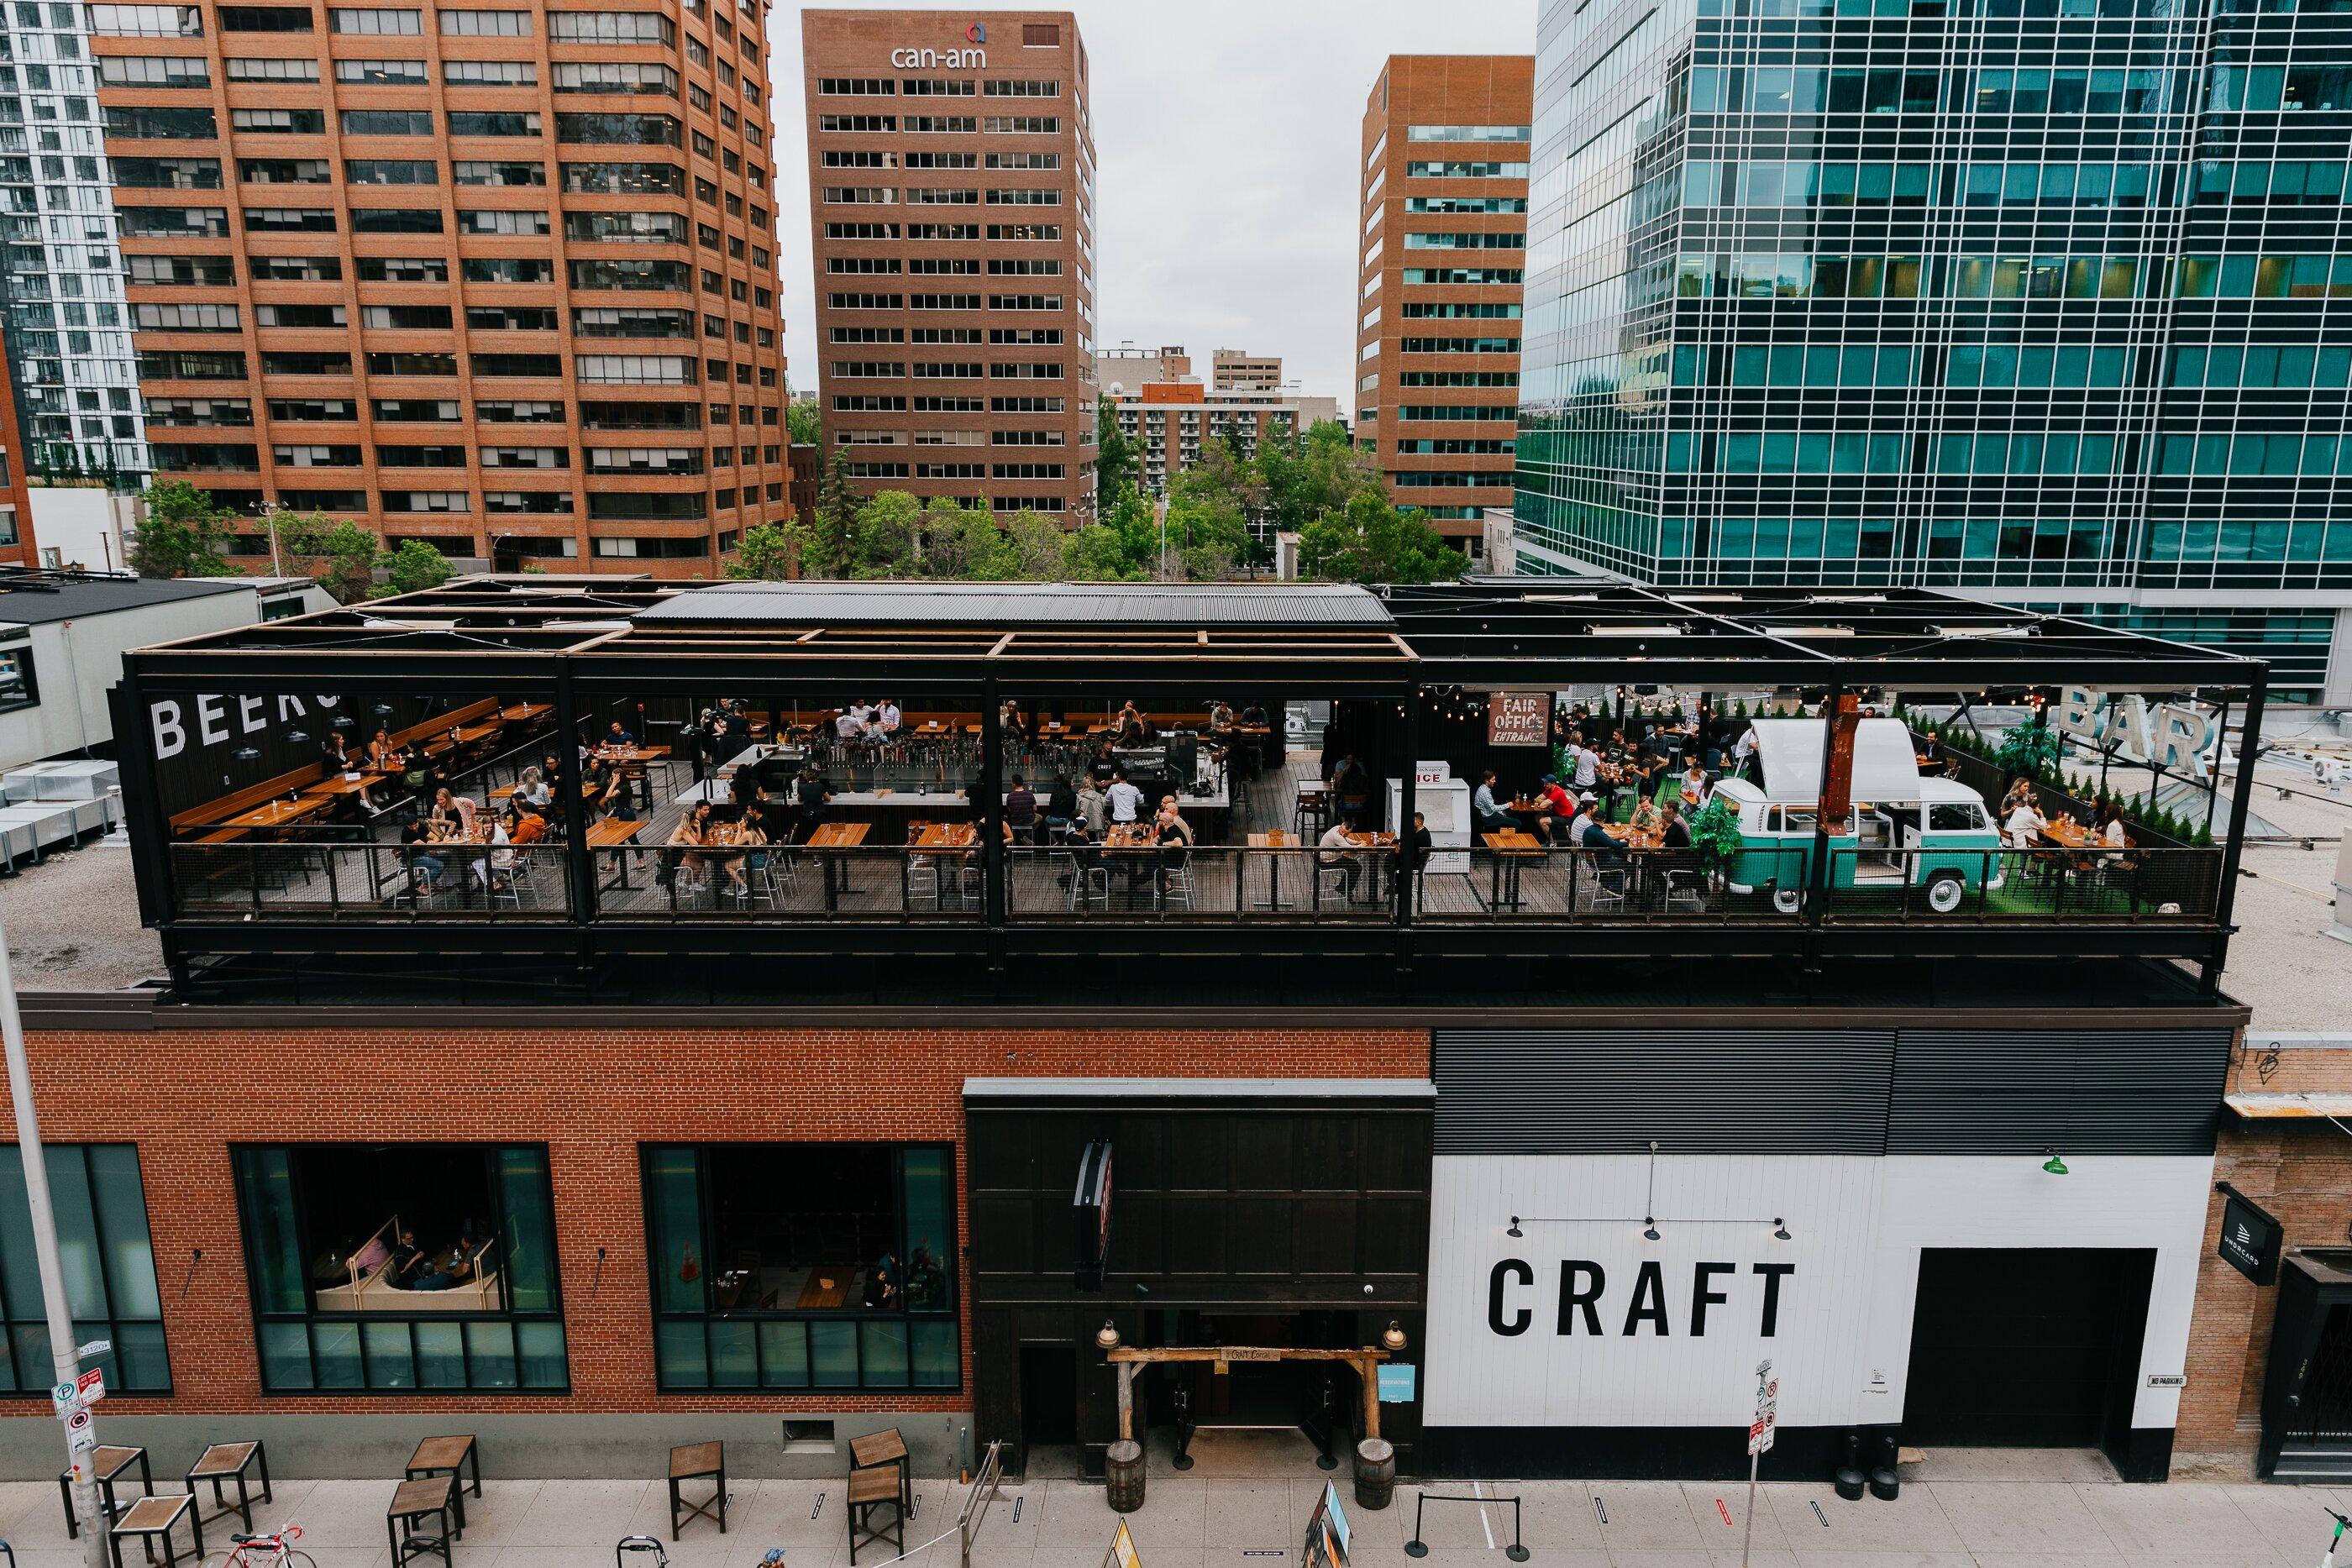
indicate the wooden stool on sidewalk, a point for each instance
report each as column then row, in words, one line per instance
column 105, row 1467
column 219, row 1463
column 427, row 1497
column 154, row 1517
column 886, row 1448
column 871, row 1490
column 697, row 1462
column 450, row 1457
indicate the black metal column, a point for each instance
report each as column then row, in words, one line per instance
column 988, row 813
column 579, row 866
column 2249, row 744
column 1817, row 874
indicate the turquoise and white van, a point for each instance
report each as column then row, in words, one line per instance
column 1904, row 830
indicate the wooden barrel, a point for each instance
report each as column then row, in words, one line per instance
column 1123, row 1473
column 1375, row 1473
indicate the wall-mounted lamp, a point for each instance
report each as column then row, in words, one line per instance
column 1781, row 1232
column 1106, row 1336
column 1515, row 1229
column 1649, row 1228
column 2056, row 1165
column 298, row 735
column 1392, row 1337
column 246, row 754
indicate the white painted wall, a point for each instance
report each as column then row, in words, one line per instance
column 1842, row 1335
column 76, row 663
column 83, row 524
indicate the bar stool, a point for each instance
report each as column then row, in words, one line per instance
column 107, row 1465
column 151, row 1519
column 221, row 1461
column 431, row 1497
column 696, row 1462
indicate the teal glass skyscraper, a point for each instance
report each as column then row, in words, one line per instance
column 2049, row 300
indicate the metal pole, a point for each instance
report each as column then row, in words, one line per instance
column 1747, row 1525
column 66, row 1364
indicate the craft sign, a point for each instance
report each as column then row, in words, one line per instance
column 2170, row 734
column 1519, row 718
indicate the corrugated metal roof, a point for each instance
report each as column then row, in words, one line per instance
column 1012, row 604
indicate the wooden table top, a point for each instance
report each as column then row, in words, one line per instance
column 1276, row 840
column 826, row 1290
column 336, row 784
column 1129, row 836
column 106, row 1460
column 470, row 733
column 441, row 1453
column 839, row 835
column 1632, row 837
column 274, row 813
column 153, row 1515
column 524, row 713
column 631, row 755
column 426, row 1494
column 883, row 1447
column 947, row 836
column 223, row 1459
column 690, row 1459
column 615, row 830
column 2076, row 836
column 1512, row 843
column 873, row 1484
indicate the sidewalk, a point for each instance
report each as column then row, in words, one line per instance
column 1188, row 1523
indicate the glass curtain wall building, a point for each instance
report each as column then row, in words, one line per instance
column 2029, row 297
column 67, row 330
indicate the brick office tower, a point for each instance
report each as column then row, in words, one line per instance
column 1444, row 201
column 501, row 279
column 951, row 204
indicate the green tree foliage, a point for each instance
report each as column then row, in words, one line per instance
column 414, row 566
column 803, row 420
column 344, row 553
column 1369, row 540
column 1114, row 457
column 768, row 551
column 182, row 534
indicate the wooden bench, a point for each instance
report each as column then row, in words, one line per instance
column 106, row 1467
column 313, row 773
column 432, row 1498
column 885, row 1449
column 871, row 1490
column 696, row 1462
column 449, row 1456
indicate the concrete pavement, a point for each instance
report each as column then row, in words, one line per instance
column 1193, row 1523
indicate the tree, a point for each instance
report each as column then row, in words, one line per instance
column 346, row 553
column 768, row 551
column 182, row 534
column 828, row 543
column 1207, row 537
column 1040, row 547
column 1370, row 540
column 416, row 566
column 1114, row 456
column 803, row 420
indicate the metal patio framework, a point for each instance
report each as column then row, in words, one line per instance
column 576, row 643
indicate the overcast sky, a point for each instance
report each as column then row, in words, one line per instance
column 1226, row 131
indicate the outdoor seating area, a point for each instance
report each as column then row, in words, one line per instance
column 835, row 758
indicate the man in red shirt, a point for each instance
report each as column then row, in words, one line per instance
column 1558, row 808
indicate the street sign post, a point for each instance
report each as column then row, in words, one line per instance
column 90, row 1386
column 1761, row 1432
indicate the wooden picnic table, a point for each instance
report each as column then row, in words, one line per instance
column 336, row 785
column 829, row 839
column 278, row 814
column 525, row 713
column 1635, row 838
column 611, row 835
column 946, row 836
column 1510, row 850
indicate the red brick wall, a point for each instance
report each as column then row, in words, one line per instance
column 2301, row 1172
column 592, row 1097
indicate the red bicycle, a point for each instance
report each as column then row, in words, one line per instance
column 272, row 1551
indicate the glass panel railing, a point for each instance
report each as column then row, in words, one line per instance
column 310, row 878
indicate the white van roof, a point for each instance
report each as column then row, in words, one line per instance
column 1884, row 766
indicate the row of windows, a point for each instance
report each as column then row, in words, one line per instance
column 1472, row 277
column 1009, row 233
column 1809, row 90
column 944, row 267
column 878, row 403
column 146, row 122
column 952, row 369
column 650, row 370
column 957, row 470
column 878, row 160
column 1475, row 169
column 843, row 301
column 1777, row 183
column 1440, row 413
column 217, row 271
column 916, row 87
column 2285, row 183
column 1795, row 275
column 593, row 416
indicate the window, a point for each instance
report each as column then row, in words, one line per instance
column 490, row 73
column 386, row 24
column 802, row 1266
column 139, row 122
column 628, row 130
column 155, row 71
column 1466, row 133
column 392, row 172
column 495, row 122
column 269, row 121
column 284, row 171
column 408, row 1267
column 183, row 271
column 18, row 689
column 265, row 19
column 101, row 1218
column 388, row 121
column 485, row 23
column 273, row 70
column 168, row 174
column 150, row 21
column 469, row 171
column 381, row 73
column 610, row 27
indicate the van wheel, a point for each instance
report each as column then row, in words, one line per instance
column 1945, row 891
column 1787, row 900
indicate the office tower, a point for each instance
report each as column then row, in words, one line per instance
column 2031, row 305
column 951, row 172
column 67, row 330
column 1444, row 201
column 1238, row 370
column 500, row 280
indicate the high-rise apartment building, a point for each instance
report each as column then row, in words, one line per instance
column 1166, row 423
column 2040, row 305
column 1238, row 370
column 1131, row 367
column 952, row 173
column 67, row 330
column 501, row 278
column 1444, row 203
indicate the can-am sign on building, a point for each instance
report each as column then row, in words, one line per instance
column 971, row 59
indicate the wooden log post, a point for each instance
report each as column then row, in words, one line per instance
column 1123, row 1464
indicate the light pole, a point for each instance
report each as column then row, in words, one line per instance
column 66, row 1363
column 270, row 519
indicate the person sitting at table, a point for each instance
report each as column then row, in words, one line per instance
column 1173, row 835
column 2024, row 823
column 685, row 841
column 383, row 756
column 888, row 717
column 1091, row 808
column 1485, row 812
column 1347, row 780
column 1220, row 716
column 2020, row 789
column 1673, row 832
column 1592, row 834
column 525, row 826
column 751, row 832
column 1559, row 808
column 731, row 838
column 1125, row 800
column 498, row 873
column 444, row 807
column 423, row 870
column 1021, row 813
column 1012, row 720
column 1415, row 849
column 882, row 1284
column 1334, row 850
column 1252, row 714
column 612, row 792
column 1647, row 818
column 618, row 738
column 1694, row 786
column 1129, row 725
column 1061, row 803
